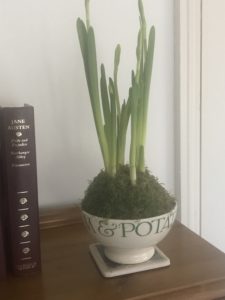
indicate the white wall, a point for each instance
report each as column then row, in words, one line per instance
column 40, row 64
column 213, row 125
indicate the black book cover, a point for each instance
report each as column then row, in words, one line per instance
column 20, row 193
column 3, row 262
column 2, row 254
column 2, row 242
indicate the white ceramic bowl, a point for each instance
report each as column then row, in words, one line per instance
column 130, row 241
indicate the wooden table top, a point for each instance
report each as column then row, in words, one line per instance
column 197, row 271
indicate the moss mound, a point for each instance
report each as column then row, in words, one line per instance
column 116, row 198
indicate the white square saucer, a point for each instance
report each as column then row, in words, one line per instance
column 111, row 269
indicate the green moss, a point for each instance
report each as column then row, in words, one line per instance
column 116, row 198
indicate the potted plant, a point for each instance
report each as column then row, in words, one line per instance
column 124, row 207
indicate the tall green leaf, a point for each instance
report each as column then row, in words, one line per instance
column 147, row 79
column 105, row 103
column 113, row 145
column 116, row 67
column 82, row 35
column 94, row 95
column 133, row 146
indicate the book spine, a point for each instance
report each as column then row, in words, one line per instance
column 2, row 254
column 3, row 262
column 2, row 250
column 20, row 192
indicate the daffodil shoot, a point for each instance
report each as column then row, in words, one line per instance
column 111, row 115
column 124, row 189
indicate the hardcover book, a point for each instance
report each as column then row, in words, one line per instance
column 20, row 193
column 2, row 255
column 2, row 236
column 2, row 251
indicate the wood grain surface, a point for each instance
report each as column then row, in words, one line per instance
column 59, row 216
column 197, row 269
